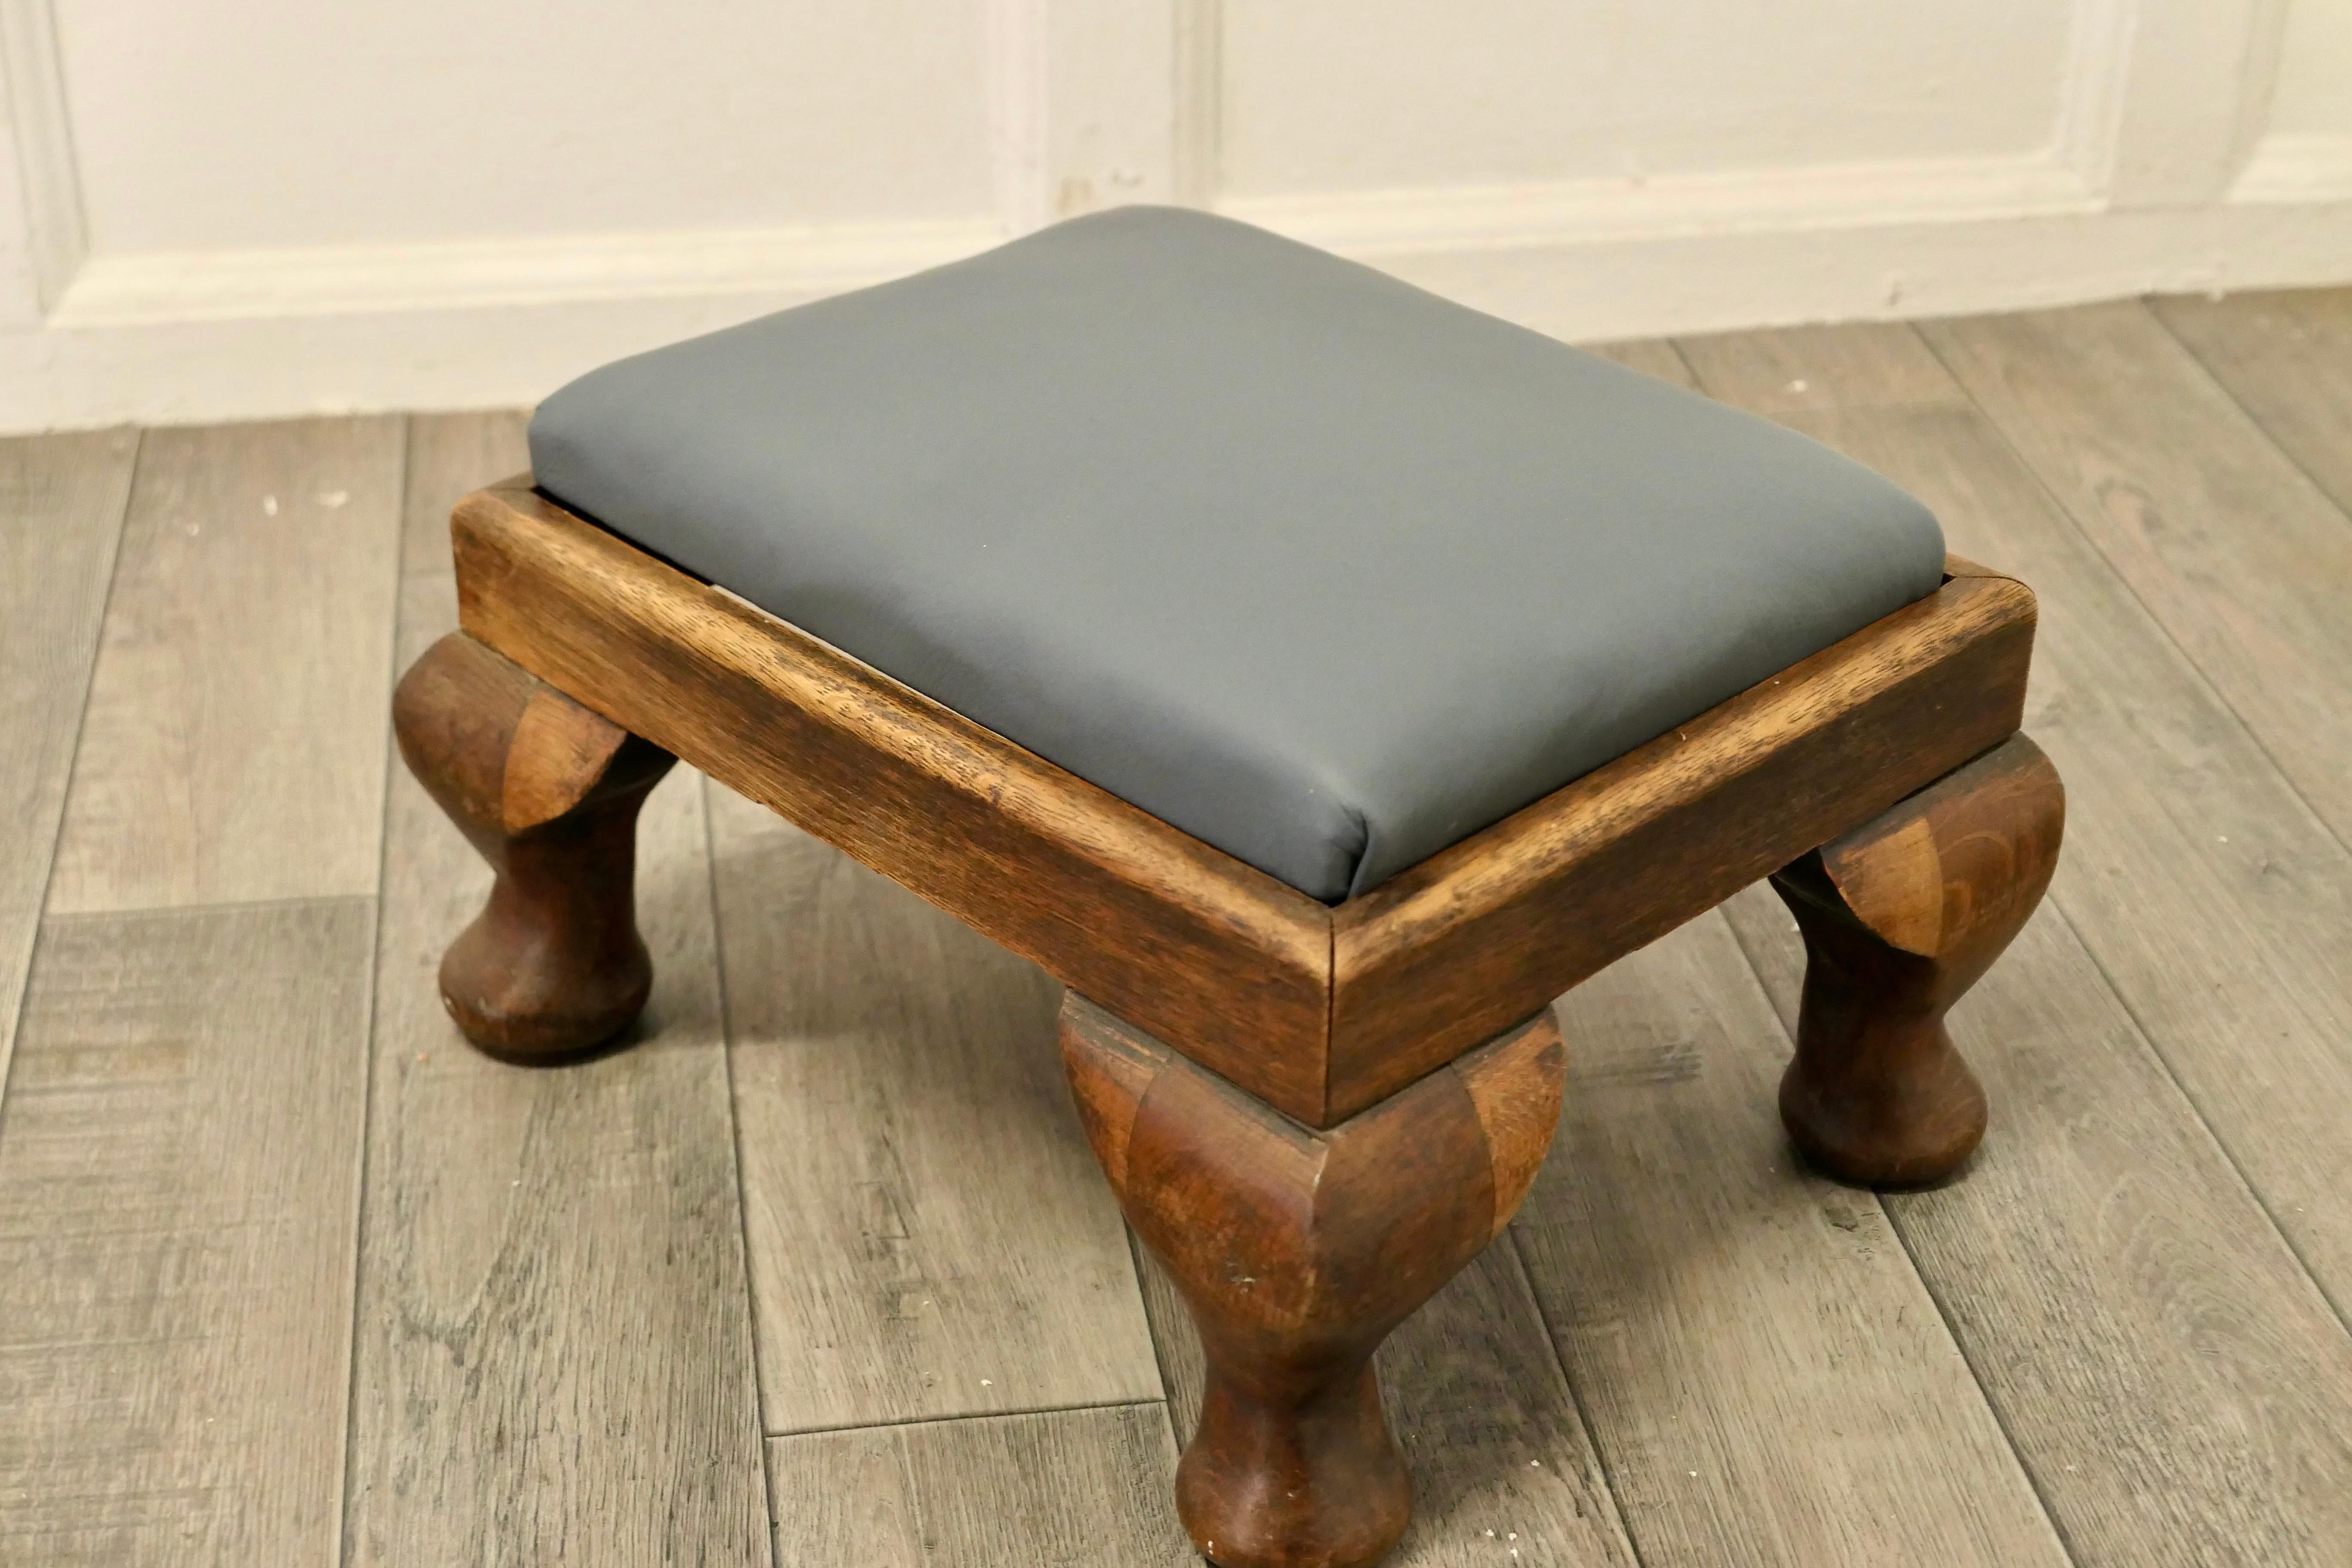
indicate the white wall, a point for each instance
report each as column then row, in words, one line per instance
column 260, row 206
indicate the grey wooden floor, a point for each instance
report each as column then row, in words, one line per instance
column 823, row 1273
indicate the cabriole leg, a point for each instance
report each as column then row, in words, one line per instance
column 548, row 792
column 1297, row 1251
column 1901, row 915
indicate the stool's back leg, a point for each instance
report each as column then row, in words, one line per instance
column 1297, row 1251
column 548, row 792
column 1901, row 915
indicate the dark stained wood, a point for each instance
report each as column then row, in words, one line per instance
column 549, row 794
column 1449, row 952
column 1901, row 915
column 1296, row 1252
column 1482, row 1412
column 1215, row 957
column 1319, row 1013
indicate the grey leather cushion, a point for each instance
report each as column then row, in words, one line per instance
column 1320, row 568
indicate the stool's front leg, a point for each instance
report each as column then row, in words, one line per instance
column 1901, row 915
column 548, row 792
column 1297, row 1251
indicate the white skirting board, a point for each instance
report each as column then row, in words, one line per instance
column 222, row 336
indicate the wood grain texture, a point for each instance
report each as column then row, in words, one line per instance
column 1204, row 949
column 1901, row 915
column 450, row 457
column 1766, row 1378
column 2287, row 357
column 930, row 1235
column 1652, row 356
column 1789, row 370
column 61, row 504
column 1296, row 1252
column 2219, row 906
column 1447, row 952
column 2240, row 556
column 2159, row 1361
column 1498, row 1455
column 179, row 1192
column 2162, row 1363
column 1065, row 1488
column 233, row 748
column 554, row 1359
column 548, row 792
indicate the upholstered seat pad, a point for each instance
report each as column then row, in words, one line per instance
column 1320, row 568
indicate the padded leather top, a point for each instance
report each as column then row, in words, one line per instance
column 1314, row 565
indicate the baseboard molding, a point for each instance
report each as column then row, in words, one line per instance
column 2288, row 167
column 163, row 340
column 1583, row 212
column 232, row 285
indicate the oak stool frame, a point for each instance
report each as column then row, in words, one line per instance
column 1314, row 1115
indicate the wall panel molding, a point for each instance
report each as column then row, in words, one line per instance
column 1374, row 223
column 1087, row 104
column 2190, row 69
column 226, row 284
column 2153, row 176
column 2297, row 167
column 56, row 232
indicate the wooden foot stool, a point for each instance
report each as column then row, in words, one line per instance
column 1315, row 676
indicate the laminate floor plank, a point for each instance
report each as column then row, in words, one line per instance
column 1065, row 1488
column 2240, row 556
column 1489, row 1428
column 2287, row 357
column 1789, row 370
column 2218, row 906
column 234, row 748
column 1652, row 356
column 448, row 456
column 1767, row 1378
column 179, row 1194
column 554, row 1359
column 61, row 505
column 2173, row 1380
column 2162, row 1360
column 931, row 1236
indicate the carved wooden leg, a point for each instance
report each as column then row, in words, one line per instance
column 1900, row 917
column 548, row 792
column 1298, row 1252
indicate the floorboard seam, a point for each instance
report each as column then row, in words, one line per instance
column 73, row 763
column 1927, row 1286
column 392, row 760
column 735, row 1136
column 2220, row 1144
column 2123, row 581
column 771, row 1437
column 1576, row 1398
column 1151, row 1332
column 2327, row 497
column 1575, row 1395
column 2196, row 672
